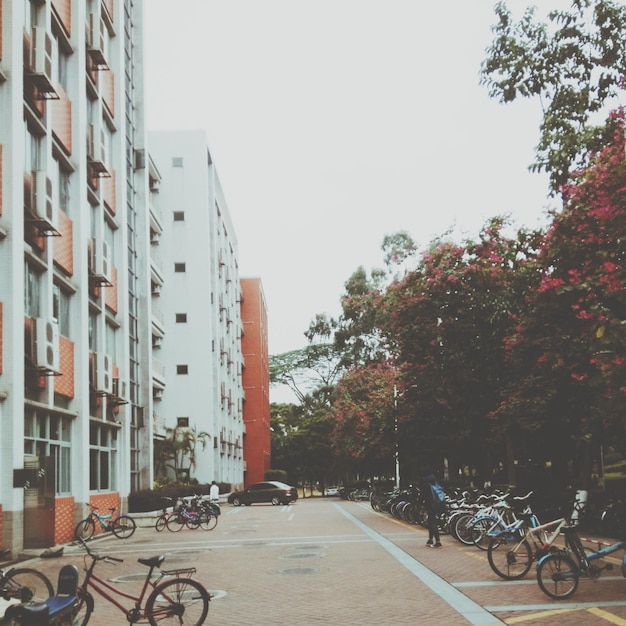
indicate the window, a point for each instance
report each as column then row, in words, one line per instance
column 32, row 291
column 181, row 318
column 48, row 435
column 32, row 150
column 179, row 216
column 102, row 457
column 180, row 267
column 93, row 332
column 182, row 422
column 61, row 310
column 61, row 186
column 182, row 369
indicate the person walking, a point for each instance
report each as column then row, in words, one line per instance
column 434, row 498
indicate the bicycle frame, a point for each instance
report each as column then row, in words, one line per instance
column 103, row 519
column 583, row 557
column 541, row 537
column 100, row 586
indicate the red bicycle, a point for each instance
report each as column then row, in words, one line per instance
column 172, row 598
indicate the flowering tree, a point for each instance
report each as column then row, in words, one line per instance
column 571, row 343
column 445, row 324
column 364, row 419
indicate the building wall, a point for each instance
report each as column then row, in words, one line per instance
column 199, row 302
column 256, row 408
column 64, row 215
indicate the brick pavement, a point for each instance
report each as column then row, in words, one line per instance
column 328, row 561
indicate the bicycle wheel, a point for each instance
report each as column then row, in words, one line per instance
column 207, row 520
column 175, row 522
column 178, row 601
column 481, row 530
column 509, row 557
column 160, row 523
column 123, row 527
column 84, row 530
column 557, row 576
column 26, row 585
column 83, row 609
column 464, row 527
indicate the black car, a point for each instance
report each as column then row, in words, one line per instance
column 270, row 491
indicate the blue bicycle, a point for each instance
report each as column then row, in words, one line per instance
column 558, row 573
column 122, row 526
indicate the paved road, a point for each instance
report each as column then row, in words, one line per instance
column 329, row 561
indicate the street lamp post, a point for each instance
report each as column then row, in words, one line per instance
column 395, row 431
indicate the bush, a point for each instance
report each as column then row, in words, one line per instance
column 152, row 499
column 276, row 474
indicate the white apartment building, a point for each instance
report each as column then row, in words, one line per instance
column 199, row 301
column 75, row 383
column 98, row 323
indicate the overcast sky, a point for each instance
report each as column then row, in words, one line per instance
column 335, row 122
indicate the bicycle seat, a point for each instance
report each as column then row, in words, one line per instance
column 153, row 561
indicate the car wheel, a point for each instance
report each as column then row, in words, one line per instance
column 275, row 501
column 236, row 502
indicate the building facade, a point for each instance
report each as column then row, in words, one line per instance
column 71, row 208
column 200, row 302
column 256, row 381
column 117, row 320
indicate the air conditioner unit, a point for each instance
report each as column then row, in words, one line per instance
column 157, row 341
column 45, row 334
column 156, row 289
column 104, row 373
column 96, row 153
column 95, row 40
column 119, row 388
column 41, row 55
column 155, row 236
column 99, row 261
column 157, row 393
column 42, row 203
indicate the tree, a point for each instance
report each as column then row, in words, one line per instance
column 571, row 342
column 363, row 417
column 444, row 324
column 575, row 66
column 177, row 452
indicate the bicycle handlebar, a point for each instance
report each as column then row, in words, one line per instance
column 97, row 557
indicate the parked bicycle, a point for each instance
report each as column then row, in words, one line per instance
column 161, row 521
column 197, row 513
column 171, row 597
column 122, row 526
column 558, row 574
column 512, row 551
column 22, row 584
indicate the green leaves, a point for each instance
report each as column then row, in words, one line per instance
column 573, row 64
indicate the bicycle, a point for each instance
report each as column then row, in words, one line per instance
column 161, row 521
column 174, row 598
column 512, row 551
column 558, row 573
column 22, row 584
column 122, row 526
column 195, row 515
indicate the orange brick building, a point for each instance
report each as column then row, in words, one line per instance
column 256, row 408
